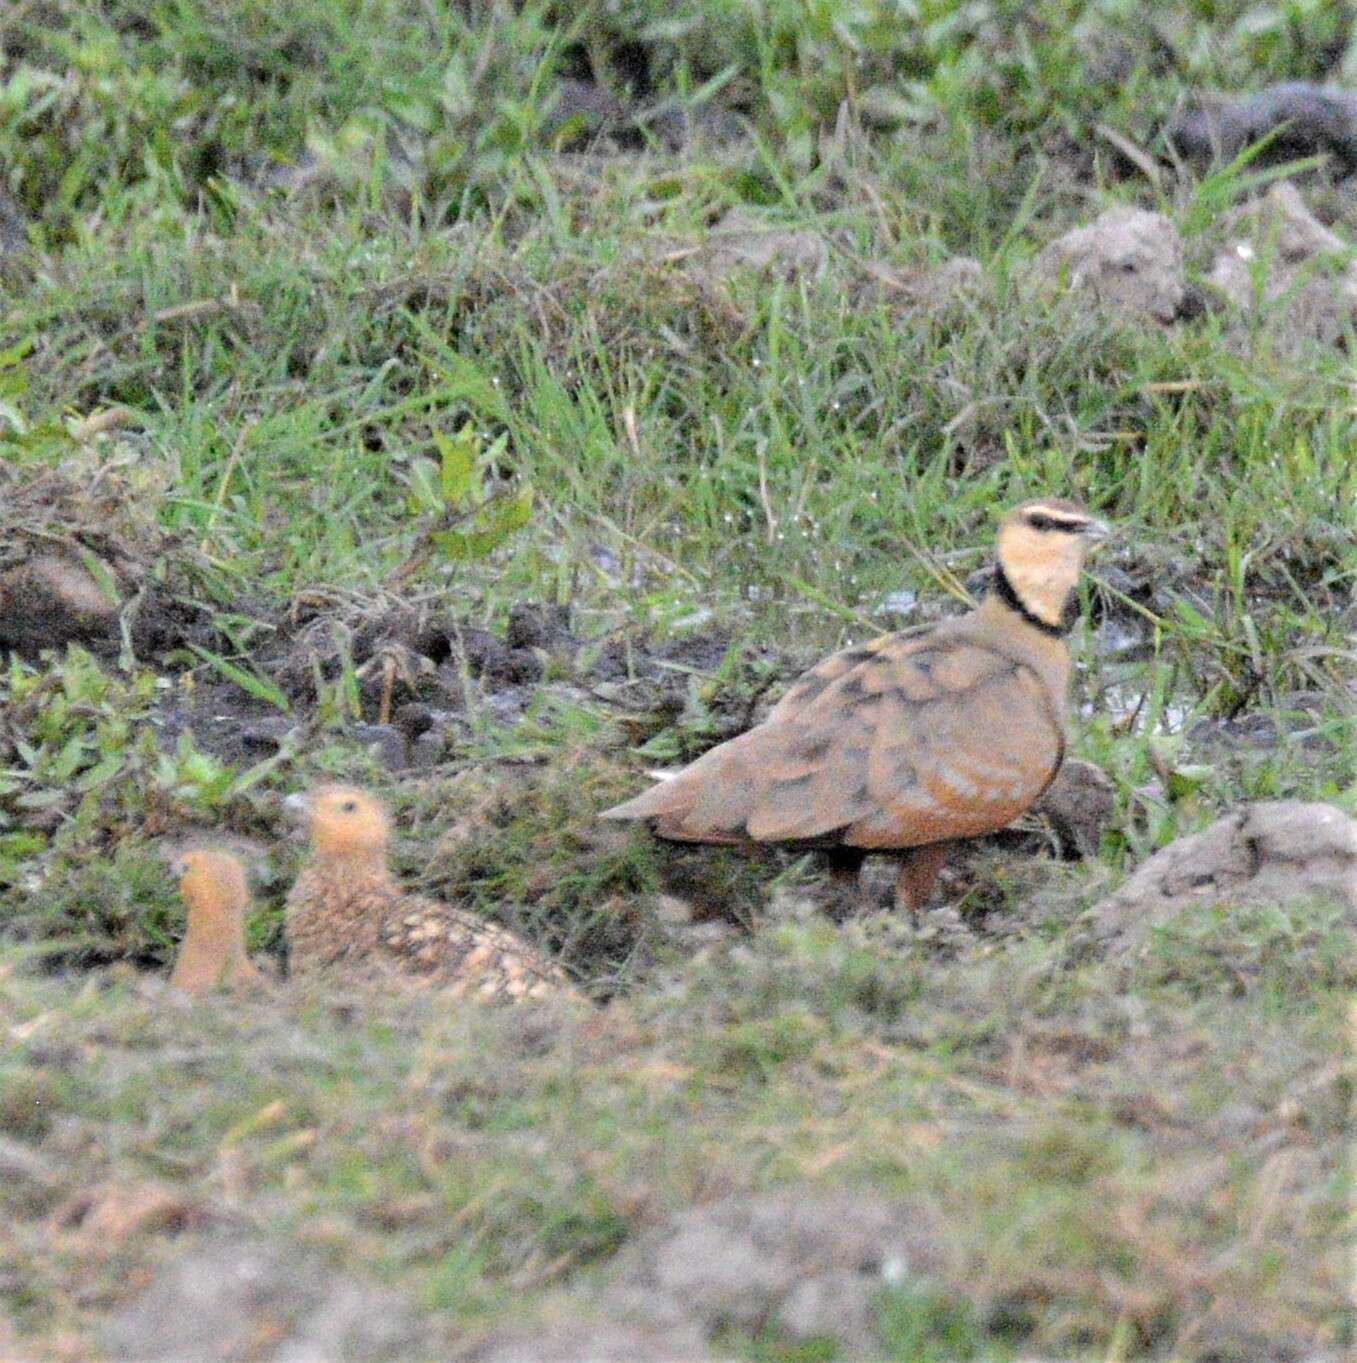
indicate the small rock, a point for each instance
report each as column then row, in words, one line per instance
column 1079, row 804
column 387, row 740
column 233, row 1300
column 413, row 719
column 428, row 750
column 1270, row 852
column 1127, row 258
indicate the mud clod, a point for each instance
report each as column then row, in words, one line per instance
column 1079, row 803
column 1127, row 258
column 1283, row 261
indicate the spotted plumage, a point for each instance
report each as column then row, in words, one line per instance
column 907, row 743
column 347, row 915
column 212, row 954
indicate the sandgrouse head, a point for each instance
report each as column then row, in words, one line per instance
column 1041, row 550
column 343, row 821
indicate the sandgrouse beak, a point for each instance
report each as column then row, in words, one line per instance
column 178, row 867
column 1095, row 530
column 297, row 805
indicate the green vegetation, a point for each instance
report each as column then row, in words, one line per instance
column 416, row 319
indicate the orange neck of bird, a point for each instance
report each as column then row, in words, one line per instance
column 214, row 940
column 362, row 860
column 1036, row 584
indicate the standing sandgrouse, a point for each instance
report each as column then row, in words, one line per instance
column 907, row 743
column 347, row 913
column 212, row 954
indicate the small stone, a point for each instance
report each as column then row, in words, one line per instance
column 413, row 719
column 428, row 750
column 388, row 741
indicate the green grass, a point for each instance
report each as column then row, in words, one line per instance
column 362, row 283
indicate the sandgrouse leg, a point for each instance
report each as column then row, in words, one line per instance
column 845, row 871
column 919, row 867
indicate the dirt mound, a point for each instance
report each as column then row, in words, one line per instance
column 236, row 1299
column 83, row 559
column 806, row 1265
column 1272, row 852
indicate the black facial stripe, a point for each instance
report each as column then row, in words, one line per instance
column 1003, row 589
column 1039, row 520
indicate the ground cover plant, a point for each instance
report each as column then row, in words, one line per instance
column 488, row 403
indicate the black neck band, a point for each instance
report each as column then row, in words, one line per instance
column 1003, row 589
